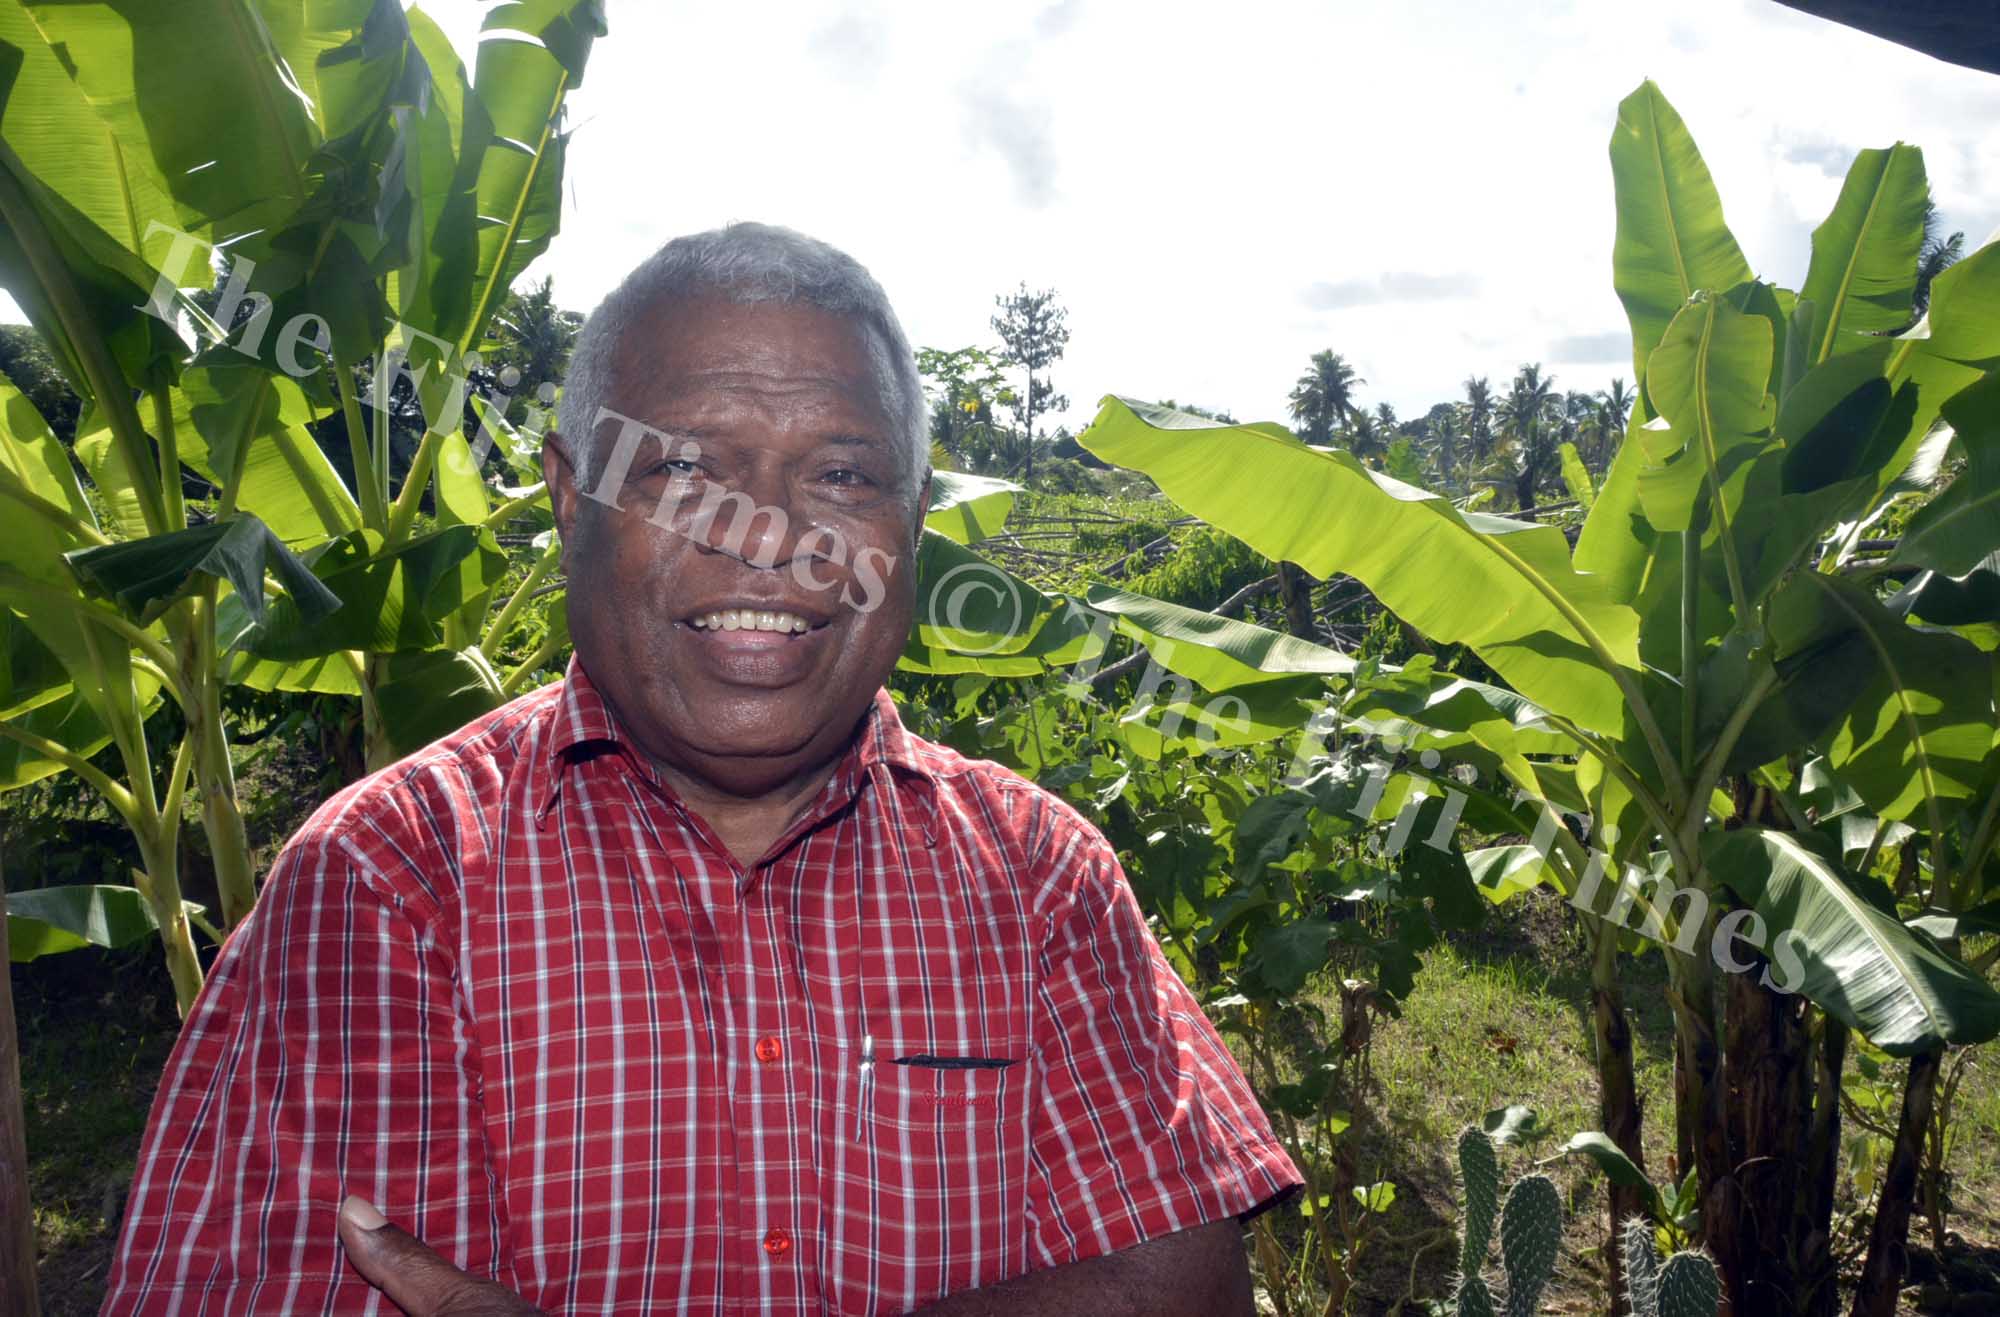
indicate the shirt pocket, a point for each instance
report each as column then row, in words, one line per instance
column 945, row 1096
column 934, row 1190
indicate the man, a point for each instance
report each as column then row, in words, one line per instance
column 694, row 982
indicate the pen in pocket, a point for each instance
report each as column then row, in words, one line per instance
column 865, row 1099
column 929, row 1062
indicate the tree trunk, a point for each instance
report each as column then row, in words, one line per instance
column 1888, row 1240
column 1819, row 1296
column 1767, row 1080
column 1295, row 588
column 17, row 1223
column 1618, row 1109
column 1701, row 1129
column 1028, row 433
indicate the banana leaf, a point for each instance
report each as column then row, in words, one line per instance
column 1855, row 961
column 1504, row 587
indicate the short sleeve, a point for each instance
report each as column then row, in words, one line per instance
column 1145, row 1126
column 324, row 1057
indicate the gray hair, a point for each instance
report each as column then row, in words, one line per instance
column 741, row 263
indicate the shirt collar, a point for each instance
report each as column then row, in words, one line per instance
column 582, row 718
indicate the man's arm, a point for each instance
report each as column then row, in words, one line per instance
column 1201, row 1272
column 1193, row 1273
column 322, row 1058
column 1146, row 1129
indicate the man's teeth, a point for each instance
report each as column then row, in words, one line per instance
column 748, row 619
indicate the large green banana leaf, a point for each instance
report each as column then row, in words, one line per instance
column 1431, row 710
column 1504, row 587
column 432, row 288
column 1706, row 380
column 46, row 518
column 240, row 425
column 1864, row 256
column 235, row 162
column 1954, row 532
column 98, row 210
column 1672, row 240
column 344, row 56
column 1216, row 653
column 431, row 693
column 1917, row 729
column 967, row 508
column 1859, row 963
column 145, row 577
column 30, row 673
column 521, row 86
column 70, row 722
column 974, row 616
column 329, row 674
column 390, row 601
column 59, row 138
column 52, row 919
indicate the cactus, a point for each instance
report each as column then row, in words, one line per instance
column 1689, row 1286
column 1642, row 1267
column 1530, row 1232
column 1530, row 1236
column 1473, row 1300
column 1686, row 1285
column 1479, row 1167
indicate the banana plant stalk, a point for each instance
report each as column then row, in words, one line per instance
column 17, row 1222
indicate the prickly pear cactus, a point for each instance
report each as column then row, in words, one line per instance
column 1689, row 1286
column 1479, row 1166
column 1473, row 1299
column 1642, row 1266
column 1530, row 1237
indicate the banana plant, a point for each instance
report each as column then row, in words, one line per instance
column 372, row 203
column 1718, row 625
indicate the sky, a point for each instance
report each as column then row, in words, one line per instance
column 1217, row 192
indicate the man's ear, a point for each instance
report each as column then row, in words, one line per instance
column 559, row 474
column 923, row 506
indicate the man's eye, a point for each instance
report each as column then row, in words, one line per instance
column 846, row 476
column 676, row 466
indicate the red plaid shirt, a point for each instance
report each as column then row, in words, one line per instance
column 514, row 993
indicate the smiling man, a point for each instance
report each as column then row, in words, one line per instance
column 694, row 982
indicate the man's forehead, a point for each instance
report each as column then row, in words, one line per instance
column 682, row 349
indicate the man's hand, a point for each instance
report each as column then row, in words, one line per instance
column 419, row 1282
column 1199, row 1272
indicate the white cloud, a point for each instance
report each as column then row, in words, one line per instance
column 1181, row 174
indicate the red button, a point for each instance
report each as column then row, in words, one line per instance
column 776, row 1242
column 769, row 1050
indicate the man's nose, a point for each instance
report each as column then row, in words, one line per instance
column 751, row 519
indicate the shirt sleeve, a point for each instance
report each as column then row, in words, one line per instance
column 324, row 1057
column 1145, row 1126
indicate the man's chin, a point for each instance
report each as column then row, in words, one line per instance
column 764, row 727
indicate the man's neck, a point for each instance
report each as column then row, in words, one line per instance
column 747, row 827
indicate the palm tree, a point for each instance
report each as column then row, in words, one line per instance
column 1479, row 417
column 534, row 336
column 1526, row 419
column 1385, row 416
column 1324, row 396
column 1607, row 426
column 1937, row 254
column 1365, row 435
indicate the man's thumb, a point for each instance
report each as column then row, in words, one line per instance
column 417, row 1280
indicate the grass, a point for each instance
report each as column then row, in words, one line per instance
column 1496, row 1020
column 1500, row 1018
column 95, row 1029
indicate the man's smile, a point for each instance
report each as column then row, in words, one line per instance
column 770, row 648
